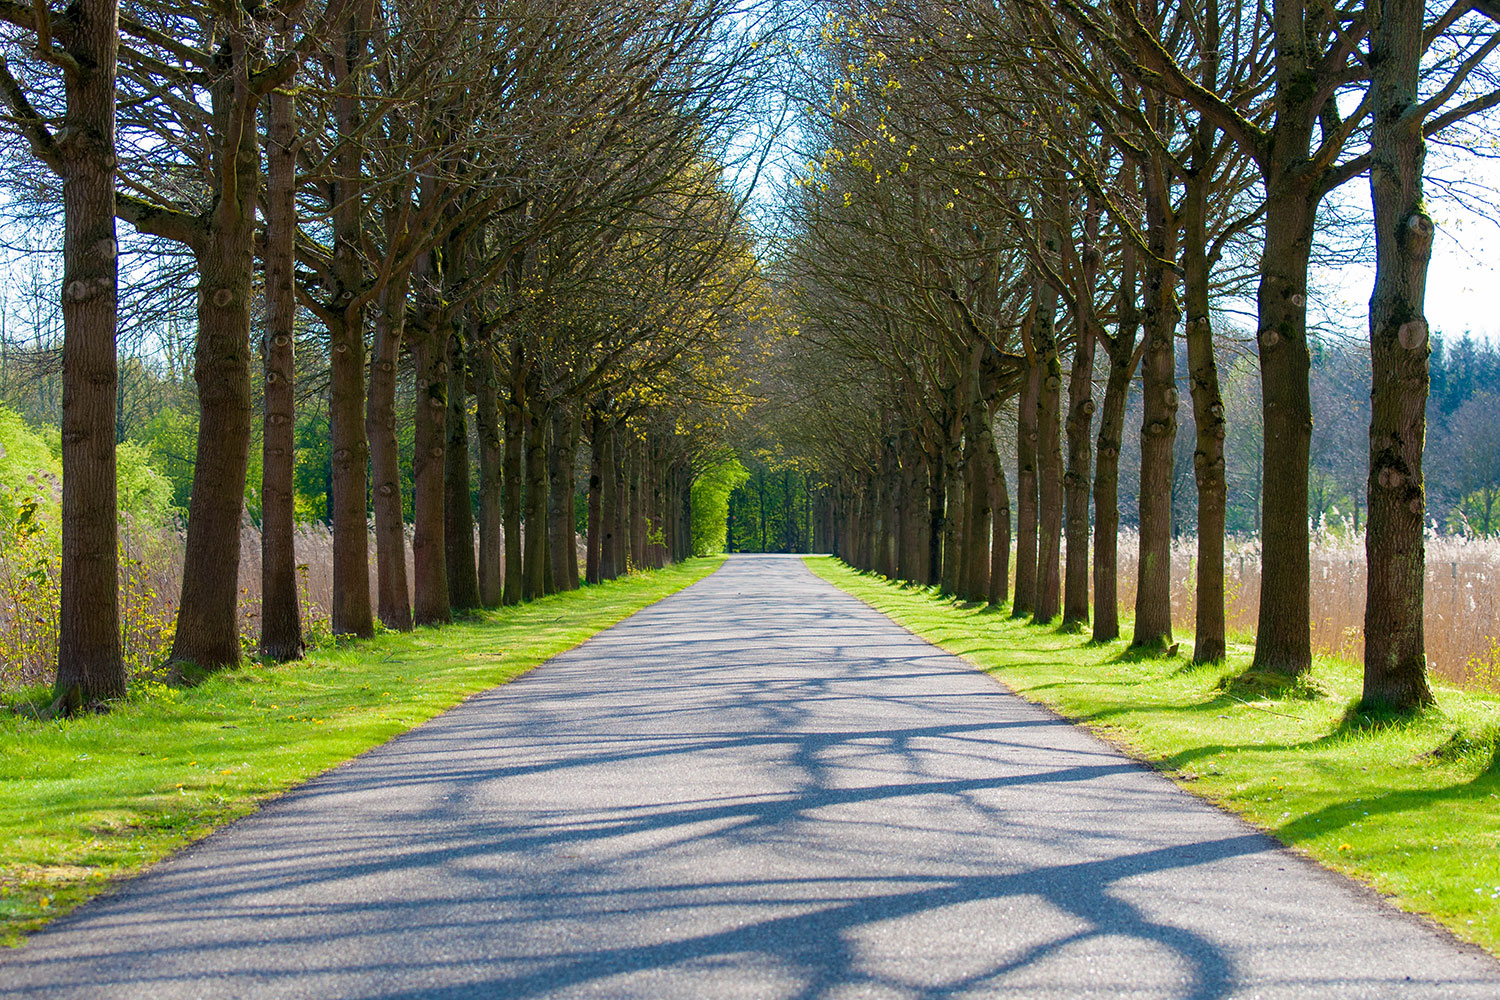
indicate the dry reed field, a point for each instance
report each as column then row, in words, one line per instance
column 1463, row 620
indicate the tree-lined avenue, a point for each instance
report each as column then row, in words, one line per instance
column 759, row 787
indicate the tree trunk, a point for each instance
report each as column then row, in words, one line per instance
column 1395, row 650
column 491, row 493
column 595, row 551
column 609, row 502
column 1153, row 599
column 207, row 617
column 1209, row 640
column 1026, row 502
column 515, row 443
column 88, row 649
column 561, row 545
column 1049, row 458
column 1283, row 642
column 1122, row 362
column 538, row 417
column 429, row 551
column 953, row 512
column 391, row 585
column 280, row 616
column 937, row 496
column 637, row 473
column 914, row 561
column 458, row 501
column 1080, row 435
column 1000, row 534
column 978, row 503
column 348, row 508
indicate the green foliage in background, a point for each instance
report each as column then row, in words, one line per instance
column 711, row 491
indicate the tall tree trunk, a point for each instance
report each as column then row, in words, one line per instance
column 429, row 551
column 538, row 569
column 392, row 588
column 1209, row 639
column 595, row 551
column 1000, row 534
column 349, row 498
column 637, row 473
column 1283, row 641
column 1049, row 458
column 458, row 502
column 1153, row 598
column 88, row 649
column 937, row 497
column 978, row 503
column 1395, row 650
column 609, row 501
column 561, row 546
column 1080, row 433
column 491, row 493
column 515, row 444
column 207, row 632
column 1026, row 485
column 1123, row 357
column 953, row 511
column 914, row 560
column 280, row 616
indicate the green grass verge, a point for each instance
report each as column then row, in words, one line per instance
column 1410, row 806
column 87, row 800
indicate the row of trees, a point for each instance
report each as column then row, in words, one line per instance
column 1002, row 199
column 518, row 204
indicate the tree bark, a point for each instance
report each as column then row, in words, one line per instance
column 491, row 493
column 1209, row 638
column 1395, row 650
column 638, row 526
column 594, row 560
column 1000, row 534
column 1026, row 485
column 913, row 564
column 88, row 651
column 1080, row 435
column 458, row 502
column 538, row 569
column 515, row 443
column 1049, row 460
column 392, row 588
column 1122, row 362
column 561, row 546
column 280, row 616
column 429, row 552
column 1283, row 641
column 1153, row 600
column 349, row 497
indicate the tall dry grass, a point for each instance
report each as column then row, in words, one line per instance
column 150, row 582
column 1462, row 615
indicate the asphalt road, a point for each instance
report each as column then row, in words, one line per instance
column 757, row 788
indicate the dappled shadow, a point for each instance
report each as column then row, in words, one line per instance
column 756, row 788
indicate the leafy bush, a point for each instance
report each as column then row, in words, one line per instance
column 711, row 504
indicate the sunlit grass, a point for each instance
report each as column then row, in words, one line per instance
column 1411, row 806
column 86, row 800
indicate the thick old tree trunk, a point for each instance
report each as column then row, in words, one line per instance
column 638, row 526
column 1026, row 486
column 593, row 560
column 1080, row 436
column 280, row 616
column 393, row 591
column 515, row 445
column 1395, row 651
column 88, row 651
column 913, row 562
column 978, row 505
column 937, row 496
column 458, row 503
column 1283, row 640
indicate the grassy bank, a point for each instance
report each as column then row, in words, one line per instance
column 87, row 800
column 1411, row 807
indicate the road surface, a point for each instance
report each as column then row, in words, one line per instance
column 757, row 788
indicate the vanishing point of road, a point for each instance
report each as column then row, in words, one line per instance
column 757, row 788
